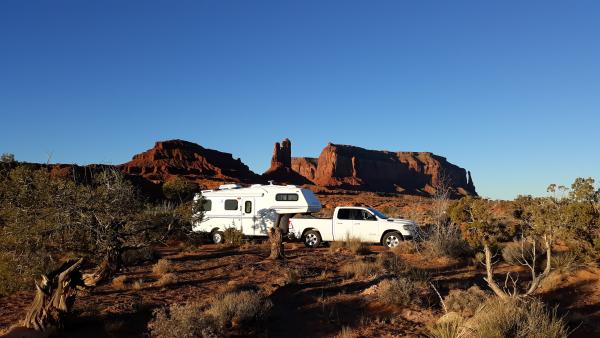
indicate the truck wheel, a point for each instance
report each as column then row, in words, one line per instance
column 217, row 237
column 312, row 239
column 392, row 239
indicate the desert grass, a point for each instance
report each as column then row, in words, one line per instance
column 119, row 282
column 234, row 308
column 353, row 244
column 138, row 284
column 167, row 279
column 232, row 237
column 399, row 291
column 162, row 267
column 347, row 332
column 359, row 269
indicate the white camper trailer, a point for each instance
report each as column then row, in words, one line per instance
column 253, row 209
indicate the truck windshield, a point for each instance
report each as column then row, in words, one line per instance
column 378, row 213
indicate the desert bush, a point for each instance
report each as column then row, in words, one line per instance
column 119, row 282
column 399, row 291
column 391, row 262
column 179, row 189
column 292, row 276
column 516, row 252
column 136, row 256
column 233, row 237
column 239, row 307
column 417, row 274
column 405, row 247
column 359, row 269
column 566, row 262
column 183, row 321
column 445, row 240
column 449, row 326
column 167, row 279
column 514, row 317
column 162, row 267
column 465, row 302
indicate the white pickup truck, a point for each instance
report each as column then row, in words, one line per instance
column 366, row 224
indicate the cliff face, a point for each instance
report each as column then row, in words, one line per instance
column 349, row 167
column 182, row 158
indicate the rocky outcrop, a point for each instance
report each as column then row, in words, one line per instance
column 349, row 167
column 305, row 166
column 281, row 170
column 183, row 158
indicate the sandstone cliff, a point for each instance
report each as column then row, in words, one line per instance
column 281, row 171
column 350, row 167
column 183, row 158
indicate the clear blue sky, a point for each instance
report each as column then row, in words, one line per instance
column 507, row 89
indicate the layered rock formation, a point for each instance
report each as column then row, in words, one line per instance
column 183, row 158
column 349, row 167
column 281, row 170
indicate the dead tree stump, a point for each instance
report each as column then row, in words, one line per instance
column 276, row 239
column 54, row 297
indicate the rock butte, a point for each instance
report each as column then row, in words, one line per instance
column 337, row 167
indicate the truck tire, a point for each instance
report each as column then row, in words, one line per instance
column 391, row 239
column 311, row 239
column 217, row 237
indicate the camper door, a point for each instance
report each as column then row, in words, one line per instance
column 249, row 217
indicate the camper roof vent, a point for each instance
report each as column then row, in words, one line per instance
column 229, row 186
column 291, row 186
column 256, row 186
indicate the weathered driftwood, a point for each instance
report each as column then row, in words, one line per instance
column 54, row 297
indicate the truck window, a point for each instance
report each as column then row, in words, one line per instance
column 367, row 216
column 231, row 204
column 286, row 197
column 248, row 207
column 344, row 214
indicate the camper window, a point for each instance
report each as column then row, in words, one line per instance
column 286, row 197
column 206, row 205
column 248, row 207
column 231, row 204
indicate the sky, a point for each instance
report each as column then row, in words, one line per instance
column 509, row 90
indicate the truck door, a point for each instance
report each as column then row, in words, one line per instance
column 343, row 223
column 366, row 226
column 249, row 226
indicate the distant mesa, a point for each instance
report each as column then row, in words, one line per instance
column 187, row 159
column 338, row 166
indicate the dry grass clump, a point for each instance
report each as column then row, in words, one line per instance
column 232, row 237
column 359, row 269
column 183, row 321
column 392, row 263
column 292, row 276
column 566, row 262
column 235, row 307
column 465, row 302
column 445, row 241
column 119, row 282
column 346, row 332
column 405, row 247
column 353, row 244
column 138, row 284
column 514, row 252
column 399, row 291
column 516, row 318
column 162, row 267
column 449, row 326
column 167, row 279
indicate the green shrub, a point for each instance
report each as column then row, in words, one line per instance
column 445, row 241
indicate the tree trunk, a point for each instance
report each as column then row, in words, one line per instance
column 54, row 297
column 536, row 280
column 276, row 239
column 490, row 273
column 109, row 266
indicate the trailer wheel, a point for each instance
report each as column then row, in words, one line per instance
column 311, row 239
column 217, row 237
column 392, row 239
